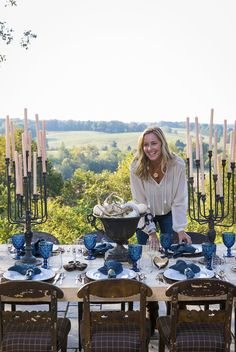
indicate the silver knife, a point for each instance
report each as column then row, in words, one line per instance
column 57, row 277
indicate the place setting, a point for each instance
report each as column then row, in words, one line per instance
column 41, row 271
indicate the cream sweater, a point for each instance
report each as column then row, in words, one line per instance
column 169, row 195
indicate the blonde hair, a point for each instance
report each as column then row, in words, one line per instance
column 142, row 162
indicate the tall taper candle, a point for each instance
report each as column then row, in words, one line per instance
column 24, row 154
column 219, row 166
column 34, row 173
column 202, row 166
column 38, row 135
column 215, row 152
column 17, row 173
column 211, row 129
column 7, row 136
column 224, row 139
column 230, row 150
column 190, row 157
column 187, row 140
column 197, row 138
column 12, row 133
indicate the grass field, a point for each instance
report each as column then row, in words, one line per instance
column 80, row 138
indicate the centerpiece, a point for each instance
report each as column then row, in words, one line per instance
column 120, row 220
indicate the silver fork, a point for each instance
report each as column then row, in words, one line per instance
column 62, row 276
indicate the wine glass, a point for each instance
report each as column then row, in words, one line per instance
column 152, row 248
column 135, row 252
column 228, row 239
column 90, row 242
column 166, row 241
column 18, row 241
column 45, row 250
column 208, row 249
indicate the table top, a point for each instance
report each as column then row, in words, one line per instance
column 70, row 286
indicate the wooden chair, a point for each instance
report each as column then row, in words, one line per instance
column 117, row 330
column 32, row 330
column 188, row 329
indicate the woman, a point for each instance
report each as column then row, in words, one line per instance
column 158, row 179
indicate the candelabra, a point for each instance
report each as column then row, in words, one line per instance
column 216, row 207
column 26, row 190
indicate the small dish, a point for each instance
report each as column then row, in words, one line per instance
column 160, row 262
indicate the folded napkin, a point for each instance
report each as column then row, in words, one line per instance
column 188, row 269
column 101, row 248
column 26, row 269
column 111, row 268
column 179, row 249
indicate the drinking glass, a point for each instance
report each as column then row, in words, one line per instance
column 228, row 240
column 90, row 243
column 152, row 248
column 45, row 250
column 135, row 252
column 166, row 241
column 18, row 241
column 208, row 249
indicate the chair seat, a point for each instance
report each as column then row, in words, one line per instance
column 31, row 338
column 117, row 338
column 194, row 337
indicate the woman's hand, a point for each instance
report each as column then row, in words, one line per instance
column 184, row 237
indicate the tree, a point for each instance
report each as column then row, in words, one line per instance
column 7, row 33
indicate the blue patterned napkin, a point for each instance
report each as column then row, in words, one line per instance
column 24, row 269
column 188, row 269
column 101, row 248
column 111, row 268
column 179, row 249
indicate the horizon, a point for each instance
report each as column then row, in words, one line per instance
column 123, row 60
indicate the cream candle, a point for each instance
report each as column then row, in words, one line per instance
column 17, row 173
column 219, row 165
column 30, row 152
column 230, row 151
column 187, row 139
column 38, row 135
column 7, row 137
column 12, row 133
column 24, row 154
column 197, row 138
column 224, row 139
column 20, row 175
column 202, row 166
column 215, row 152
column 211, row 129
column 190, row 157
column 34, row 173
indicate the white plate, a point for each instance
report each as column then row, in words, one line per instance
column 198, row 251
column 177, row 276
column 95, row 274
column 45, row 274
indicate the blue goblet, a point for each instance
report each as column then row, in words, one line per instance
column 135, row 252
column 45, row 250
column 166, row 241
column 90, row 242
column 18, row 241
column 228, row 239
column 208, row 250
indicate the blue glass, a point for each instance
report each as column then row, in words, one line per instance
column 229, row 240
column 45, row 250
column 90, row 242
column 135, row 252
column 18, row 242
column 208, row 250
column 166, row 241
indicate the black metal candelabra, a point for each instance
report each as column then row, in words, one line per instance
column 212, row 208
column 26, row 207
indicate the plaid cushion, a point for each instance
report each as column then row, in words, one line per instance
column 194, row 337
column 32, row 338
column 117, row 338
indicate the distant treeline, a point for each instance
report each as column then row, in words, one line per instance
column 101, row 126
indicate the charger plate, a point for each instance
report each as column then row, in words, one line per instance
column 45, row 274
column 95, row 274
column 177, row 276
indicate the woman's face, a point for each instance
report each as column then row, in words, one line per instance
column 152, row 146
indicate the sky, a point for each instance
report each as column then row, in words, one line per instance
column 126, row 60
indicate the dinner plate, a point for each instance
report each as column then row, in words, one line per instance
column 177, row 276
column 95, row 274
column 44, row 275
column 197, row 251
